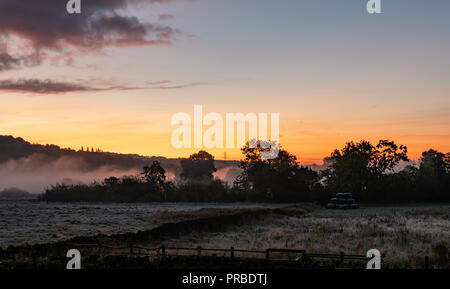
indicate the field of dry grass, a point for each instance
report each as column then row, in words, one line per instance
column 405, row 234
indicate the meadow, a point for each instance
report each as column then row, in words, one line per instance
column 405, row 234
column 33, row 222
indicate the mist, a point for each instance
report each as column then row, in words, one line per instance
column 228, row 174
column 36, row 172
column 34, row 175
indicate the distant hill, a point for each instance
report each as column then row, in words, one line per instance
column 12, row 148
column 15, row 194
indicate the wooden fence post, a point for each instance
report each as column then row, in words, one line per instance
column 131, row 249
column 342, row 257
column 163, row 251
column 232, row 252
column 199, row 250
column 267, row 255
column 427, row 262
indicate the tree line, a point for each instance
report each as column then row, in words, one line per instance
column 366, row 170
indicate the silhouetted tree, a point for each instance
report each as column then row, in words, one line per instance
column 433, row 176
column 434, row 163
column 199, row 166
column 111, row 181
column 360, row 167
column 154, row 174
column 279, row 179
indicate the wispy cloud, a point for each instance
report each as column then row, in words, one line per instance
column 48, row 86
column 51, row 87
column 169, row 85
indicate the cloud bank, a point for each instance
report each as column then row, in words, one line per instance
column 30, row 31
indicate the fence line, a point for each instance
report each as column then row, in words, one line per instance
column 163, row 251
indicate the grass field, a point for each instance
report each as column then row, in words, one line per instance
column 405, row 234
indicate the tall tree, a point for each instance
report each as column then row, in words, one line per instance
column 155, row 178
column 155, row 174
column 434, row 163
column 279, row 179
column 433, row 176
column 359, row 167
column 199, row 166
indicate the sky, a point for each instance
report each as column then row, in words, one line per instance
column 113, row 76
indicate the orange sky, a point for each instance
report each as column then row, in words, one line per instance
column 334, row 75
column 147, row 131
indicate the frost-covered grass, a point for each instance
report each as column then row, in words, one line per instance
column 405, row 234
column 32, row 222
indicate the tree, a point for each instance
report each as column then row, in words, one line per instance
column 388, row 155
column 155, row 174
column 279, row 179
column 433, row 176
column 155, row 180
column 111, row 181
column 434, row 163
column 199, row 166
column 359, row 167
column 447, row 163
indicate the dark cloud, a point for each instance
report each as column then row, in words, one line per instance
column 7, row 62
column 41, row 86
column 45, row 25
column 56, row 87
column 53, row 87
